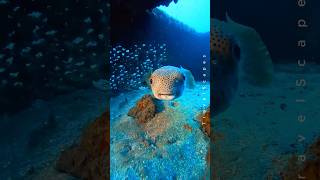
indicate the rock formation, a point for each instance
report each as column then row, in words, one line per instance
column 308, row 169
column 204, row 120
column 90, row 158
column 145, row 109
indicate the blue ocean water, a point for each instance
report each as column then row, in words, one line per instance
column 53, row 85
column 193, row 13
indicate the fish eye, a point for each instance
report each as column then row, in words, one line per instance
column 183, row 77
column 150, row 81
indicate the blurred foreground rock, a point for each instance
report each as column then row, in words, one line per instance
column 90, row 158
column 308, row 169
column 145, row 109
column 204, row 120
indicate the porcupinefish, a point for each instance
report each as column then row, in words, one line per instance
column 168, row 82
column 237, row 53
column 225, row 56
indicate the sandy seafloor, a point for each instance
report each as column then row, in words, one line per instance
column 256, row 135
column 165, row 149
column 72, row 113
column 261, row 129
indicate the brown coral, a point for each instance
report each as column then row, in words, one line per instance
column 204, row 119
column 309, row 169
column 90, row 158
column 187, row 127
column 145, row 109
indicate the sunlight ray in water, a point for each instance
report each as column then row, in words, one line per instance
column 193, row 13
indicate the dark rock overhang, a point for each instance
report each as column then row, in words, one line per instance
column 134, row 7
column 130, row 16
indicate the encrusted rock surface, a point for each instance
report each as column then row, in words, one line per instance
column 309, row 169
column 90, row 158
column 204, row 120
column 145, row 109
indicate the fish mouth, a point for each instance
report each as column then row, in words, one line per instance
column 166, row 94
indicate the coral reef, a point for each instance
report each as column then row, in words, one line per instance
column 148, row 116
column 145, row 109
column 90, row 158
column 308, row 169
column 167, row 144
column 204, row 120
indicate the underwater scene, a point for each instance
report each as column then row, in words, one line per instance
column 154, row 127
column 159, row 89
column 160, row 98
column 266, row 121
column 52, row 71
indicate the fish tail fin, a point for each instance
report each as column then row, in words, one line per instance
column 256, row 63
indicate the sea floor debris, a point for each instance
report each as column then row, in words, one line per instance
column 257, row 129
column 170, row 144
column 30, row 150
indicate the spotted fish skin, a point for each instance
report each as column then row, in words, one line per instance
column 167, row 83
column 220, row 43
column 225, row 57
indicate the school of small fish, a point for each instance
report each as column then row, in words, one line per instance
column 46, row 51
column 131, row 65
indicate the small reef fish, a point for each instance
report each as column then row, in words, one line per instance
column 35, row 14
column 80, row 63
column 18, row 84
column 131, row 66
column 93, row 66
column 10, row 46
column 9, row 60
column 69, row 60
column 16, row 74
